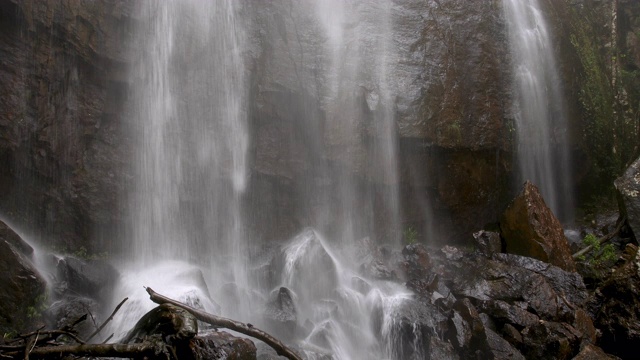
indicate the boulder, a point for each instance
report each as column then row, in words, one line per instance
column 592, row 352
column 415, row 263
column 499, row 348
column 550, row 340
column 64, row 312
column 166, row 320
column 23, row 289
column 628, row 191
column 93, row 278
column 280, row 313
column 411, row 327
column 487, row 242
column 529, row 228
column 222, row 345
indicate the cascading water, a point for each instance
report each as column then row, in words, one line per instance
column 358, row 45
column 189, row 123
column 541, row 122
column 189, row 119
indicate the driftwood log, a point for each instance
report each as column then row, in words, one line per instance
column 222, row 322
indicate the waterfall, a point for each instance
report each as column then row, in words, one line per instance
column 359, row 42
column 190, row 124
column 188, row 121
column 540, row 117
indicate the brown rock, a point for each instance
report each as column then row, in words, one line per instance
column 592, row 352
column 530, row 229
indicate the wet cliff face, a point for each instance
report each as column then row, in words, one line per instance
column 452, row 104
column 64, row 151
column 62, row 68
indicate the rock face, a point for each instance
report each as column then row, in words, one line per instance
column 23, row 288
column 529, row 228
column 628, row 188
column 61, row 145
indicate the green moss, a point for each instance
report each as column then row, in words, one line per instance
column 608, row 123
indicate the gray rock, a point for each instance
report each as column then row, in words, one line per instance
column 94, row 278
column 281, row 313
column 22, row 298
column 487, row 242
column 628, row 190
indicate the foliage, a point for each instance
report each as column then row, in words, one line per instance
column 600, row 254
column 410, row 235
column 39, row 305
column 609, row 124
column 81, row 253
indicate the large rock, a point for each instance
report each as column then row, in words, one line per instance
column 628, row 188
column 23, row 289
column 66, row 311
column 222, row 345
column 529, row 228
column 94, row 278
column 281, row 314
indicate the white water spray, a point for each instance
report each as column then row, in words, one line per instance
column 541, row 122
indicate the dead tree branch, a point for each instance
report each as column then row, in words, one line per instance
column 218, row 321
column 107, row 321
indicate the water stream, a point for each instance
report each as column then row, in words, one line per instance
column 189, row 119
column 541, row 119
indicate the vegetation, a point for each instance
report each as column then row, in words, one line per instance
column 600, row 254
column 410, row 235
column 81, row 253
column 610, row 120
column 39, row 305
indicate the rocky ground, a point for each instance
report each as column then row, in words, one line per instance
column 513, row 294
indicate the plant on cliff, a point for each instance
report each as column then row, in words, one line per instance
column 410, row 235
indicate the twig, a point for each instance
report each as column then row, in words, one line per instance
column 107, row 339
column 80, row 319
column 246, row 329
column 603, row 239
column 107, row 321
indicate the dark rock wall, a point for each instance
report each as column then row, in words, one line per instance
column 62, row 70
column 64, row 149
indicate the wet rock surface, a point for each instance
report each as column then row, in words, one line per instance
column 224, row 346
column 281, row 313
column 93, row 278
column 628, row 189
column 502, row 306
column 23, row 288
column 529, row 228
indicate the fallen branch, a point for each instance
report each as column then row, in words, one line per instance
column 603, row 239
column 137, row 351
column 107, row 321
column 218, row 321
